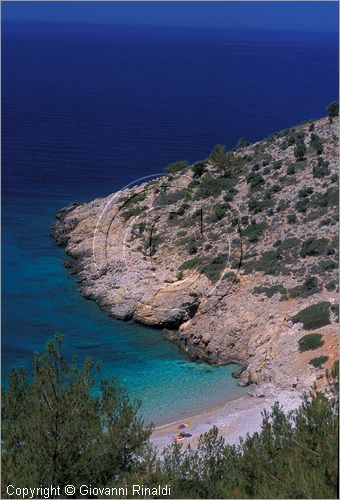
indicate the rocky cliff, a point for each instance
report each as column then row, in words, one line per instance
column 234, row 257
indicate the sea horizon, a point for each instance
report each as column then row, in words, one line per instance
column 86, row 116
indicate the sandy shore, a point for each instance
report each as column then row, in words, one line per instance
column 234, row 419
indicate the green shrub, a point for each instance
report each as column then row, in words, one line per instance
column 214, row 268
column 176, row 166
column 151, row 244
column 247, row 158
column 257, row 206
column 309, row 287
column 255, row 180
column 254, row 232
column 213, row 186
column 219, row 212
column 289, row 181
column 291, row 218
column 191, row 263
column 182, row 209
column 180, row 275
column 277, row 165
column 303, row 193
column 287, row 244
column 269, row 263
column 291, row 170
column 270, row 291
column 275, row 188
column 314, row 316
column 266, row 161
column 291, row 138
column 312, row 247
column 330, row 286
column 300, row 150
column 171, row 198
column 266, row 171
column 192, row 247
column 199, row 168
column 303, row 205
column 225, row 161
column 133, row 212
column 328, row 199
column 282, row 205
column 333, row 109
column 335, row 310
column 322, row 201
column 300, row 136
column 317, row 362
column 310, row 342
column 241, row 143
column 328, row 265
column 193, row 184
column 316, row 143
column 180, row 234
column 229, row 196
column 211, row 268
column 127, row 202
column 272, row 137
column 321, row 169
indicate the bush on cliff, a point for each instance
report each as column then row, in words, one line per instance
column 300, row 150
column 271, row 291
column 308, row 287
column 333, row 109
column 270, row 263
column 211, row 186
column 254, row 232
column 317, row 362
column 255, row 180
column 176, row 166
column 316, row 143
column 225, row 161
column 310, row 342
column 321, row 169
column 313, row 247
column 314, row 316
column 199, row 168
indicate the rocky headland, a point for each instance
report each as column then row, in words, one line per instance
column 234, row 257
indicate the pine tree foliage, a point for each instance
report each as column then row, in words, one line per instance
column 56, row 430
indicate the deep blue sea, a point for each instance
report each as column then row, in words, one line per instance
column 87, row 109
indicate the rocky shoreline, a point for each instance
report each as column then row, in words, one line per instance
column 224, row 264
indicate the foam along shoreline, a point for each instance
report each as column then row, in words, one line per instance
column 234, row 419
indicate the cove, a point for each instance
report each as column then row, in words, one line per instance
column 89, row 110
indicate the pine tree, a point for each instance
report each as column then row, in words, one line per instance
column 56, row 431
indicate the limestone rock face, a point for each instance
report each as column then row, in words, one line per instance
column 227, row 266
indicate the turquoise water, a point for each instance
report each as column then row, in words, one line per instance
column 88, row 110
column 40, row 299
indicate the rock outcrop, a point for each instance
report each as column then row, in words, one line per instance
column 224, row 260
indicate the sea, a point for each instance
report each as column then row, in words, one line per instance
column 87, row 109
